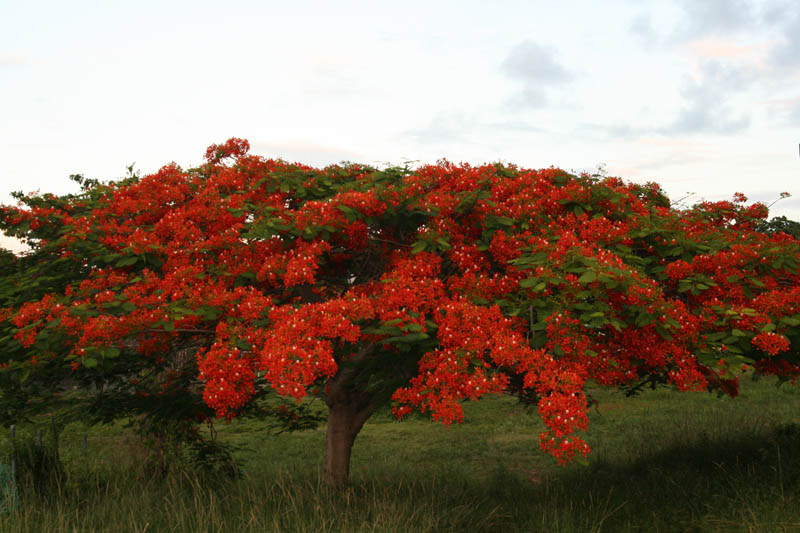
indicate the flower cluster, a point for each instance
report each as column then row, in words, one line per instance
column 771, row 343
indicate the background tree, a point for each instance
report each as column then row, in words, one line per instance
column 424, row 288
column 781, row 224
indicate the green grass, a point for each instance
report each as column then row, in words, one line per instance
column 663, row 461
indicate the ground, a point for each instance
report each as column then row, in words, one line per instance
column 663, row 461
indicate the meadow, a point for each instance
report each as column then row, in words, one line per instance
column 661, row 461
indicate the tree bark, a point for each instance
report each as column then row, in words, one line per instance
column 347, row 413
column 348, row 409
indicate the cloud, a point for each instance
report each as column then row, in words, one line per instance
column 785, row 110
column 16, row 60
column 695, row 19
column 446, row 127
column 328, row 75
column 535, row 67
column 621, row 130
column 706, row 108
column 460, row 127
column 642, row 28
column 304, row 151
column 735, row 46
column 12, row 244
column 715, row 16
column 514, row 125
column 728, row 50
column 531, row 62
column 794, row 115
column 786, row 54
column 697, row 118
column 775, row 22
column 671, row 159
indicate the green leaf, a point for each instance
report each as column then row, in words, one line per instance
column 406, row 339
column 444, row 244
column 733, row 349
column 382, row 331
column 89, row 362
column 606, row 280
column 588, row 277
column 127, row 261
column 110, row 352
column 209, row 313
column 418, row 246
column 791, row 321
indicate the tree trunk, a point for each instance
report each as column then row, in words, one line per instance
column 347, row 412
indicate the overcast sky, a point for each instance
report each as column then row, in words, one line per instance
column 700, row 96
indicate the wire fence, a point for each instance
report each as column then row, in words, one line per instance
column 31, row 460
column 8, row 479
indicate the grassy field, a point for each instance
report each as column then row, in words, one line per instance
column 663, row 461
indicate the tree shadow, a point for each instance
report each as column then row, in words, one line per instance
column 748, row 479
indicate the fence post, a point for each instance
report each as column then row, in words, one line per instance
column 85, row 455
column 13, row 451
column 9, row 478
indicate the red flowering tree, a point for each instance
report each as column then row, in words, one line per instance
column 423, row 287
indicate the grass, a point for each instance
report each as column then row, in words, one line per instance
column 663, row 461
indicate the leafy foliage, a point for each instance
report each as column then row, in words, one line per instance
column 424, row 288
column 781, row 224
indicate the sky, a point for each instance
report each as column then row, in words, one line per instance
column 700, row 96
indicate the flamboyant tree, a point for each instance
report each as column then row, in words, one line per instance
column 421, row 287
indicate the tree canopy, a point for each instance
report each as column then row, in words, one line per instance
column 421, row 287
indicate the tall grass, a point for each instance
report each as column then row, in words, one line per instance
column 663, row 461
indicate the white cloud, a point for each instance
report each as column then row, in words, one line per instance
column 10, row 243
column 706, row 107
column 8, row 60
column 536, row 67
column 304, row 151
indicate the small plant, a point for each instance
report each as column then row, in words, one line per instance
column 210, row 459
